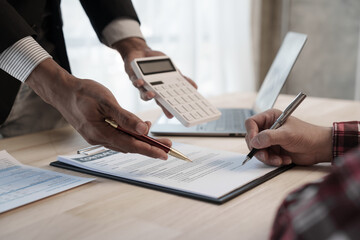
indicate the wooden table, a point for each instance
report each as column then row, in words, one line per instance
column 107, row 209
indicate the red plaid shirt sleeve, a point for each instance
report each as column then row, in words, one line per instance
column 346, row 136
column 329, row 208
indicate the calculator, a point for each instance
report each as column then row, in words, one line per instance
column 173, row 91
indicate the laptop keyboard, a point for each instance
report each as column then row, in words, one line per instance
column 231, row 119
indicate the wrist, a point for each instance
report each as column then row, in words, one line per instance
column 324, row 145
column 49, row 81
column 127, row 45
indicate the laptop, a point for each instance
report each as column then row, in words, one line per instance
column 232, row 120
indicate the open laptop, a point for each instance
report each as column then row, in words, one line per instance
column 232, row 120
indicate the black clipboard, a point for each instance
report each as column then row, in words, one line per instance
column 220, row 200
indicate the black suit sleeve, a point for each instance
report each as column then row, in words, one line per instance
column 12, row 26
column 102, row 12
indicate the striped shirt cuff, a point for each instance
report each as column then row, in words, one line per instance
column 120, row 29
column 20, row 59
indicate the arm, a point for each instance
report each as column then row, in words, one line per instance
column 327, row 209
column 14, row 29
column 118, row 26
column 12, row 33
column 85, row 104
column 346, row 136
column 297, row 141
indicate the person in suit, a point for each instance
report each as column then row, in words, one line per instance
column 37, row 90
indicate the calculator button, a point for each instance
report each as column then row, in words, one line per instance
column 165, row 93
column 204, row 103
column 171, row 93
column 183, row 90
column 195, row 115
column 192, row 106
column 213, row 110
column 196, row 95
column 200, row 114
column 191, row 97
column 185, row 99
column 187, row 107
column 209, row 111
column 179, row 100
column 180, row 109
column 189, row 89
column 177, row 91
column 172, row 101
column 188, row 116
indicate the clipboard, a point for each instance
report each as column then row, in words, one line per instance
column 236, row 192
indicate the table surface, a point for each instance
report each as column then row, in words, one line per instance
column 109, row 209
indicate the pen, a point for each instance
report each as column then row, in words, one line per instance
column 173, row 152
column 280, row 120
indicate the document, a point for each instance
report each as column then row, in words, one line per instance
column 21, row 184
column 212, row 175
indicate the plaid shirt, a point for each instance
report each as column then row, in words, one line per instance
column 329, row 208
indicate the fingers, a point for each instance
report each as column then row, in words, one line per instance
column 260, row 137
column 127, row 120
column 266, row 119
column 125, row 143
column 122, row 142
column 273, row 158
column 252, row 129
column 131, row 74
column 166, row 112
column 258, row 123
column 268, row 138
column 144, row 94
column 154, row 53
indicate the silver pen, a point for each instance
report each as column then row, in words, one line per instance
column 280, row 120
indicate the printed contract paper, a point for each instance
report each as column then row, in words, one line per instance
column 21, row 184
column 212, row 173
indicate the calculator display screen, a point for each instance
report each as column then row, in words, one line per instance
column 156, row 66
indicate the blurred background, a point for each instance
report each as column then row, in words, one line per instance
column 228, row 45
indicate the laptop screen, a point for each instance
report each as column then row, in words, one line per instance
column 279, row 71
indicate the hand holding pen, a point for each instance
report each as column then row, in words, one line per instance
column 276, row 140
column 153, row 142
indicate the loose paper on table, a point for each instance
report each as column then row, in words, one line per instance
column 21, row 184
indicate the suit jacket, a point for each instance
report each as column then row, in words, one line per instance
column 42, row 20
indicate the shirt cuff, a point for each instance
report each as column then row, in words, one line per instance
column 20, row 59
column 346, row 136
column 120, row 29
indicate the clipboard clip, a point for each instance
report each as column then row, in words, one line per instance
column 92, row 150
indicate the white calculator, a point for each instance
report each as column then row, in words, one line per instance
column 173, row 91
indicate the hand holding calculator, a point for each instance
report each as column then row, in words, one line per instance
column 173, row 91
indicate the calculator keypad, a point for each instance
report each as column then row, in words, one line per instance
column 186, row 101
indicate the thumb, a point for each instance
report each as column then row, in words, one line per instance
column 267, row 138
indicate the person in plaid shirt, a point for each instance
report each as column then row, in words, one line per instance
column 328, row 208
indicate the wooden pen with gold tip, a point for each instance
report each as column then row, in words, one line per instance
column 171, row 151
